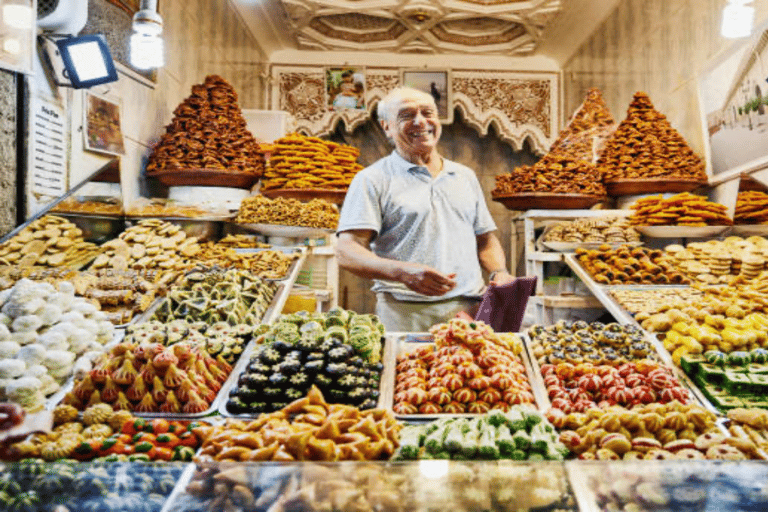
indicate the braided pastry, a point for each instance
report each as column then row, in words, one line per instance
column 64, row 414
column 98, row 413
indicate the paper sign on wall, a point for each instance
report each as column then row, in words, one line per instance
column 49, row 157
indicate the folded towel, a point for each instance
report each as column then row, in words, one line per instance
column 503, row 307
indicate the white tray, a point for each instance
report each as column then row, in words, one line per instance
column 572, row 246
column 681, row 231
column 750, row 229
column 286, row 231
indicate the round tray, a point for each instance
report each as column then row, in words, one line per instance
column 96, row 228
column 286, row 231
column 205, row 178
column 572, row 246
column 681, row 231
column 548, row 201
column 650, row 186
column 307, row 194
column 749, row 229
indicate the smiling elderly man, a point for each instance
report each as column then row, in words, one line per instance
column 418, row 224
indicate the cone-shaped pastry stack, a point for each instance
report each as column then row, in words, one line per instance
column 589, row 127
column 569, row 167
column 208, row 131
column 645, row 146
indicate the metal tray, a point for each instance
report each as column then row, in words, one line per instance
column 205, row 229
column 397, row 343
column 240, row 368
column 96, row 228
column 285, row 230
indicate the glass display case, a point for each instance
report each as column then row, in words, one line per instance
column 425, row 485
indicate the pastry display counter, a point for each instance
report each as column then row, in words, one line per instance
column 386, row 486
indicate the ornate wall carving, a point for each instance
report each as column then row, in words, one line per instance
column 8, row 98
column 520, row 105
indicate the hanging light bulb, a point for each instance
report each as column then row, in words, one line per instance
column 146, row 45
column 738, row 19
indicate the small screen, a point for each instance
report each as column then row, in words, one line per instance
column 88, row 61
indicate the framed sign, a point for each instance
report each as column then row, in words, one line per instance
column 345, row 88
column 102, row 130
column 734, row 104
column 436, row 82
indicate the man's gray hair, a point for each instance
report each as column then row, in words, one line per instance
column 384, row 108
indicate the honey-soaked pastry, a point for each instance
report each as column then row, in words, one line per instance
column 614, row 266
column 297, row 161
column 645, row 145
column 208, row 131
column 569, row 167
column 751, row 208
column 316, row 213
column 609, row 230
column 683, row 209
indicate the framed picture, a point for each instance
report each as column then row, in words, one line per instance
column 102, row 131
column 436, row 82
column 733, row 94
column 345, row 88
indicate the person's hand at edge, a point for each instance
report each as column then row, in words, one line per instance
column 426, row 280
column 501, row 278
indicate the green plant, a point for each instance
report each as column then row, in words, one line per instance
column 740, row 111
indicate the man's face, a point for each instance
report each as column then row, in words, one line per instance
column 413, row 123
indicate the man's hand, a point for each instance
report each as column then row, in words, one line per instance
column 502, row 278
column 426, row 280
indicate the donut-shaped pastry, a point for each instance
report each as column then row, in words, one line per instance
column 439, row 395
column 659, row 454
column 690, row 453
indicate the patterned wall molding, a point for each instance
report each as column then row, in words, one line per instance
column 521, row 105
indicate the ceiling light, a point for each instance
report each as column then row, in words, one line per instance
column 18, row 16
column 146, row 45
column 738, row 19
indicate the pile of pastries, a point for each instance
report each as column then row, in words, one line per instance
column 718, row 261
column 317, row 213
column 630, row 265
column 208, row 131
column 582, row 342
column 608, row 230
column 150, row 243
column 49, row 241
column 649, row 432
column 646, row 146
column 589, row 127
column 683, row 209
column 569, row 167
column 306, row 429
column 297, row 161
column 648, row 302
column 751, row 208
column 267, row 263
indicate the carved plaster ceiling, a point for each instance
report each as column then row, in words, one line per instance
column 500, row 27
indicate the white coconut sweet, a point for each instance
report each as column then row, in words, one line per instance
column 26, row 323
column 50, row 314
column 60, row 300
column 53, row 340
column 5, row 333
column 35, row 370
column 82, row 366
column 24, row 337
column 8, row 349
column 84, row 307
column 49, row 385
column 32, row 354
column 12, row 368
column 73, row 317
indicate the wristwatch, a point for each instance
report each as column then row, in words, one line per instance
column 493, row 274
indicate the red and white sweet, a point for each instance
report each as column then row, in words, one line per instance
column 469, row 370
column 478, row 407
column 502, row 380
column 452, row 381
column 490, row 395
column 464, row 395
column 479, row 383
column 416, row 396
column 439, row 395
column 430, row 408
column 455, row 408
column 590, row 382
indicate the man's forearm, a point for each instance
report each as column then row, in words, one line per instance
column 364, row 263
column 490, row 253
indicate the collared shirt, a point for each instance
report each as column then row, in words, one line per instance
column 421, row 219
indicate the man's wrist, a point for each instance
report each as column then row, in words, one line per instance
column 494, row 273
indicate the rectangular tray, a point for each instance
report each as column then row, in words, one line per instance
column 232, row 382
column 398, row 343
column 292, row 268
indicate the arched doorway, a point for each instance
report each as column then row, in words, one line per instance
column 759, row 95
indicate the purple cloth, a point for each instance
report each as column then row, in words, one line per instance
column 503, row 306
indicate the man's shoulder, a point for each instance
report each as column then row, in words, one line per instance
column 377, row 171
column 460, row 169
